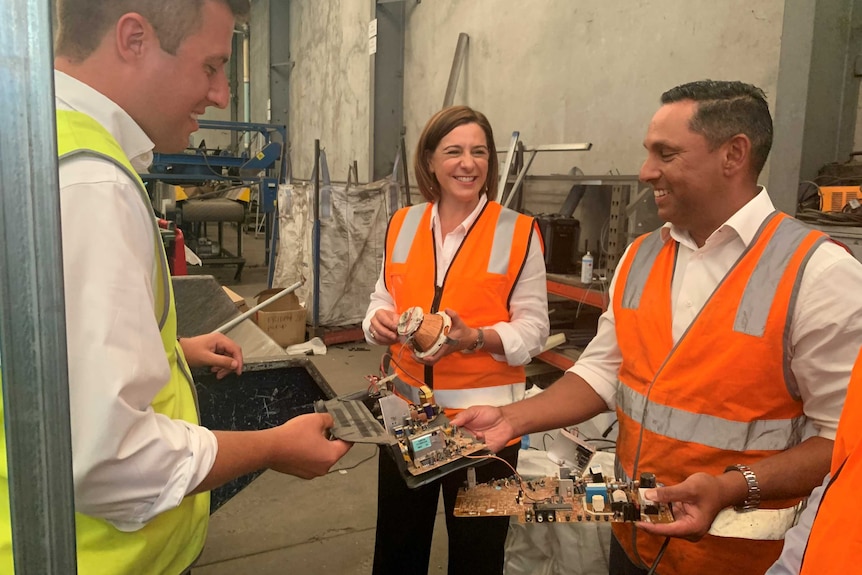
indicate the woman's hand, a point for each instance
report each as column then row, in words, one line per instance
column 383, row 327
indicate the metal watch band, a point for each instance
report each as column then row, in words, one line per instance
column 478, row 344
column 752, row 500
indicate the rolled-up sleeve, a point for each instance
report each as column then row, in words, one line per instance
column 825, row 335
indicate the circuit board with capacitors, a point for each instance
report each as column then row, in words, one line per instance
column 563, row 500
column 419, row 437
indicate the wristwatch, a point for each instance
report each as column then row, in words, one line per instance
column 752, row 500
column 476, row 345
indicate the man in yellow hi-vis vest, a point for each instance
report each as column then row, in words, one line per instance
column 133, row 76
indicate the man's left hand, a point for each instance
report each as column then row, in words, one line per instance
column 696, row 502
column 215, row 350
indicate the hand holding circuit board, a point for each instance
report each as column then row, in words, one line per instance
column 420, row 437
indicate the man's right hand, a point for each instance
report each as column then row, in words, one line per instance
column 488, row 424
column 304, row 449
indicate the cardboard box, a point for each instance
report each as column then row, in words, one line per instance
column 237, row 299
column 283, row 320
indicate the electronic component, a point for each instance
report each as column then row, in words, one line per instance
column 566, row 488
column 419, row 437
column 597, row 489
column 570, row 451
column 647, row 480
column 598, row 503
column 596, row 472
column 425, row 333
column 549, row 499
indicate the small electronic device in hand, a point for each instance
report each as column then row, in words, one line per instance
column 423, row 443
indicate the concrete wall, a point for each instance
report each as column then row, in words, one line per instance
column 558, row 71
column 329, row 84
column 259, row 38
column 561, row 71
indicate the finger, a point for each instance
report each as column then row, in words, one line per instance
column 225, row 362
column 689, row 527
column 326, row 421
column 666, row 494
column 674, row 529
column 221, row 373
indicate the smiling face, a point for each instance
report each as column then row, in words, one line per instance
column 686, row 176
column 460, row 164
column 181, row 86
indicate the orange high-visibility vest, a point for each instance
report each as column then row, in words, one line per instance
column 478, row 285
column 723, row 394
column 835, row 543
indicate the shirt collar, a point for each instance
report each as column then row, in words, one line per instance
column 745, row 222
column 468, row 221
column 72, row 94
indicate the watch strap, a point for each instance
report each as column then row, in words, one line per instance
column 478, row 344
column 752, row 500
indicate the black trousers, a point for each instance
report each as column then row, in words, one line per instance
column 405, row 522
column 619, row 563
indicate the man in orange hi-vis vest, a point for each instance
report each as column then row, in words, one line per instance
column 726, row 351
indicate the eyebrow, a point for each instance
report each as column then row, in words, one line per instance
column 660, row 144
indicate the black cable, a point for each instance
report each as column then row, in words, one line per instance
column 355, row 465
column 607, row 432
column 545, row 436
column 598, row 439
column 659, row 556
column 829, row 218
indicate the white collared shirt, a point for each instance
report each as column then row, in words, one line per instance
column 526, row 332
column 129, row 463
column 825, row 330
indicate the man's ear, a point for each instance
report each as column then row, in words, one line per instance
column 737, row 154
column 133, row 32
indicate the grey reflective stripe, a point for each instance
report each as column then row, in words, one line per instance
column 619, row 471
column 709, row 430
column 753, row 310
column 501, row 250
column 407, row 233
column 160, row 265
column 406, row 390
column 789, row 376
column 640, row 269
column 185, row 370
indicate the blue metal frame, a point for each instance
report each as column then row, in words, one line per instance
column 171, row 167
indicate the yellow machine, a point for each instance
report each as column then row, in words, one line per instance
column 834, row 198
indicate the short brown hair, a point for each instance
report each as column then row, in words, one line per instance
column 82, row 24
column 435, row 130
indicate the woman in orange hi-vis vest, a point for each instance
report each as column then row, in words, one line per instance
column 463, row 253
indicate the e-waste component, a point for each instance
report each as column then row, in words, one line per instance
column 550, row 499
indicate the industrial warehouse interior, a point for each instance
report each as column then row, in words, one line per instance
column 441, row 286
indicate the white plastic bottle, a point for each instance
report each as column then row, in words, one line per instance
column 587, row 268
